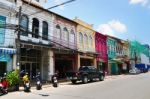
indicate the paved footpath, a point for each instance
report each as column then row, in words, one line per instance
column 114, row 87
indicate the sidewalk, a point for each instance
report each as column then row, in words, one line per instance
column 115, row 76
column 48, row 85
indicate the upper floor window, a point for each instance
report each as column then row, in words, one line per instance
column 80, row 38
column 2, row 30
column 35, row 28
column 58, row 32
column 91, row 41
column 45, row 30
column 72, row 37
column 65, row 34
column 86, row 39
column 24, row 25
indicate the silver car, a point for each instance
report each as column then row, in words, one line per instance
column 134, row 71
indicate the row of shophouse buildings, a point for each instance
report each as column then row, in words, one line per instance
column 51, row 42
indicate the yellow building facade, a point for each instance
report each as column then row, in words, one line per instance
column 85, row 44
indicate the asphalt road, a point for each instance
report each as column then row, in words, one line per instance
column 116, row 87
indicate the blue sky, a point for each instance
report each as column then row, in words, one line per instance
column 125, row 19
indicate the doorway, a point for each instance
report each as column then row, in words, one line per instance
column 3, row 68
column 62, row 66
column 30, row 68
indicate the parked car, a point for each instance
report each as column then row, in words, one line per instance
column 134, row 71
column 142, row 67
column 84, row 74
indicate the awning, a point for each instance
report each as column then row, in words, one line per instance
column 7, row 50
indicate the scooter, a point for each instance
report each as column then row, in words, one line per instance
column 26, row 81
column 3, row 88
column 38, row 82
column 54, row 81
column 27, row 86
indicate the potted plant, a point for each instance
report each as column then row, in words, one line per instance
column 13, row 80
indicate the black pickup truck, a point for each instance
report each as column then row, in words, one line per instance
column 84, row 74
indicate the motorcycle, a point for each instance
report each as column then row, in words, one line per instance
column 27, row 86
column 3, row 86
column 54, row 80
column 26, row 81
column 38, row 82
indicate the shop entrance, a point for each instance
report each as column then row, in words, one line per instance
column 30, row 68
column 62, row 66
column 86, row 62
column 30, row 61
column 3, row 66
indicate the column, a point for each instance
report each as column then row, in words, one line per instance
column 40, row 29
column 51, row 64
column 14, row 62
column 30, row 27
column 94, row 62
column 78, row 61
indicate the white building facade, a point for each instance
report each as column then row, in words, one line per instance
column 36, row 33
column 7, row 36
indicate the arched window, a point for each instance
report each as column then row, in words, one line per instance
column 45, row 30
column 91, row 41
column 35, row 28
column 58, row 32
column 24, row 25
column 81, row 38
column 86, row 40
column 65, row 34
column 72, row 37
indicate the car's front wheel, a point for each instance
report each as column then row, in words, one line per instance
column 101, row 77
column 73, row 81
column 85, row 79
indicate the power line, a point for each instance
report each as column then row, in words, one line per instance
column 50, row 40
column 54, row 6
column 8, row 26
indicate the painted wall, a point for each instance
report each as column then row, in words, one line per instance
column 64, row 31
column 101, row 47
column 111, row 48
column 85, row 36
column 41, row 17
column 7, row 36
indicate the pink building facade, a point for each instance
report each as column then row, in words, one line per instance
column 101, row 50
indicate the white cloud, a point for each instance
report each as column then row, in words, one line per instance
column 59, row 2
column 142, row 2
column 118, row 26
column 105, row 29
column 112, row 27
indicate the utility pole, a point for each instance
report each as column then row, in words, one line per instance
column 135, row 57
column 18, row 39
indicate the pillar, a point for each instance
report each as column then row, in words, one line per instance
column 51, row 67
column 14, row 61
column 40, row 29
column 30, row 27
column 94, row 62
column 77, row 62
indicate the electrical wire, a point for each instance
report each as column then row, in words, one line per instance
column 53, row 7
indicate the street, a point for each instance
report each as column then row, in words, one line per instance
column 115, row 87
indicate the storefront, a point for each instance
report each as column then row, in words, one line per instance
column 102, row 65
column 30, row 61
column 6, row 60
column 36, row 58
column 87, row 59
column 64, row 61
